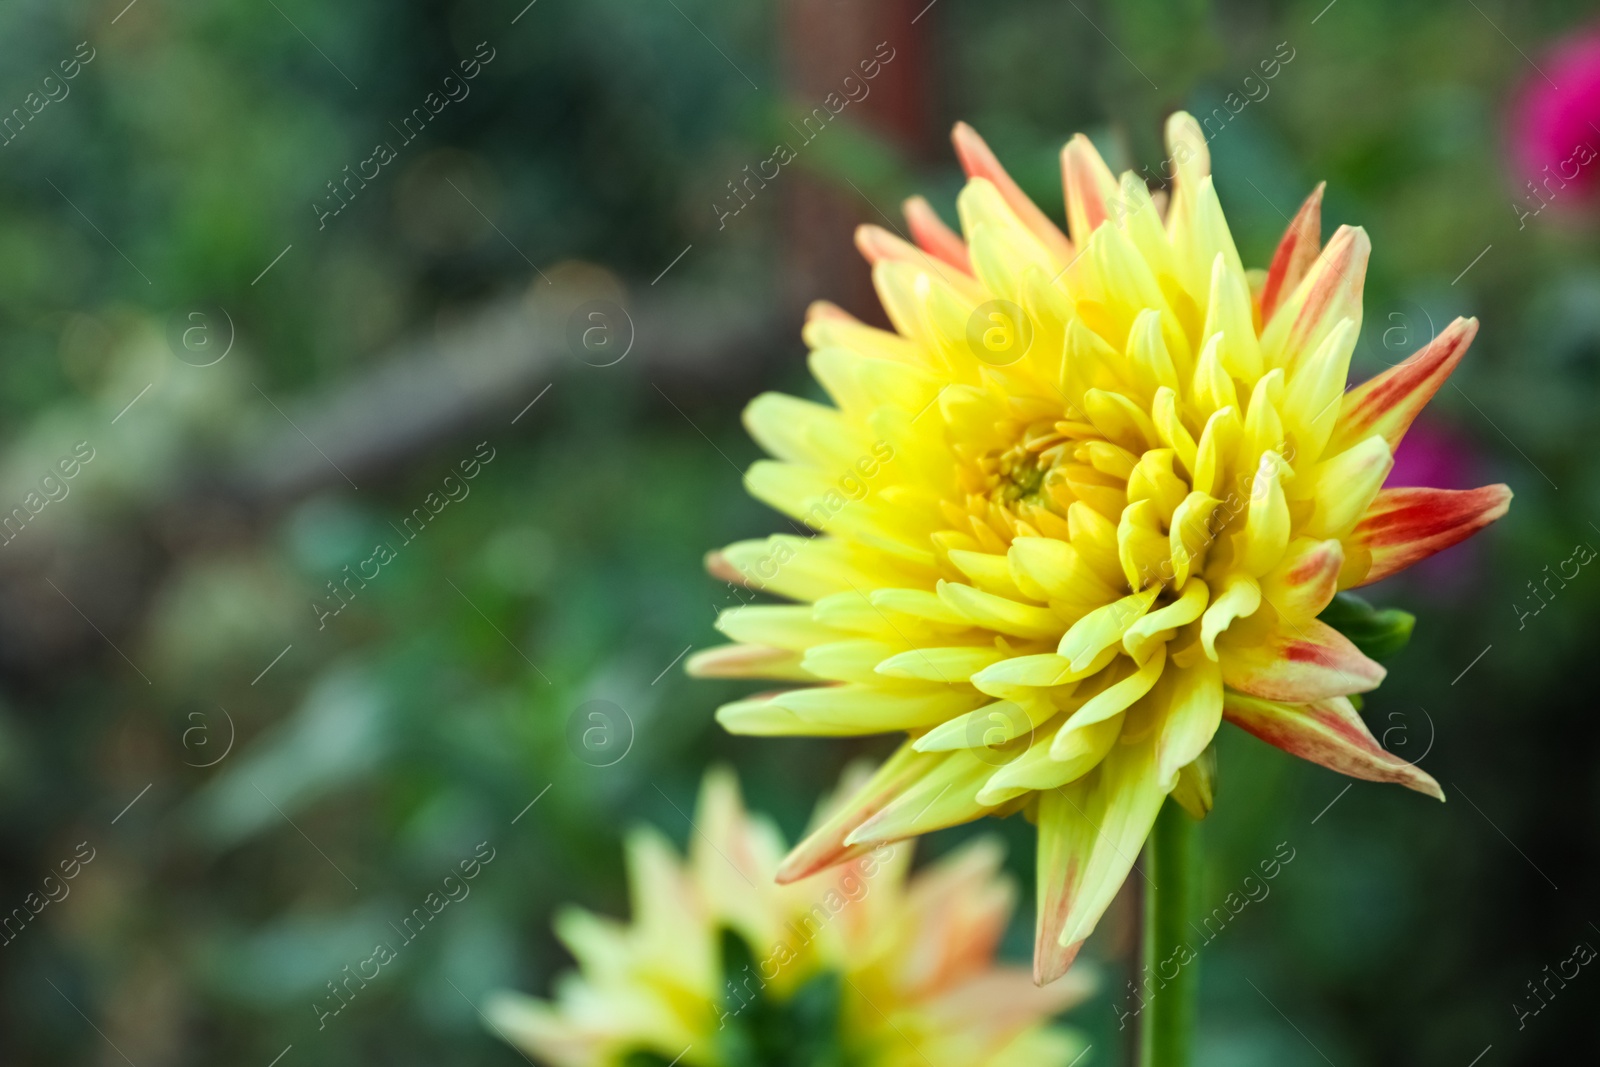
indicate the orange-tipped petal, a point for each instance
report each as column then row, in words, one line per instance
column 827, row 310
column 1330, row 291
column 747, row 661
column 934, row 237
column 1296, row 252
column 1090, row 186
column 824, row 846
column 1305, row 581
column 1063, row 847
column 943, row 795
column 1089, row 834
column 1298, row 662
column 1330, row 733
column 1386, row 403
column 1410, row 524
column 979, row 162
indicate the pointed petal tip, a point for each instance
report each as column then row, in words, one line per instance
column 1050, row 962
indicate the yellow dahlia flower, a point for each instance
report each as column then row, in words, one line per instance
column 1085, row 501
column 857, row 967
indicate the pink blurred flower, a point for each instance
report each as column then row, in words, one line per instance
column 1433, row 454
column 1555, row 122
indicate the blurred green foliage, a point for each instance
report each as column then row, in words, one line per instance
column 383, row 747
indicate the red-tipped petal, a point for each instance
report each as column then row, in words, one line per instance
column 828, row 311
column 1306, row 580
column 979, row 162
column 824, row 846
column 1089, row 184
column 1386, row 403
column 1330, row 291
column 1296, row 252
column 1089, row 833
column 1059, row 866
column 934, row 237
column 1295, row 662
column 1329, row 733
column 747, row 661
column 1407, row 525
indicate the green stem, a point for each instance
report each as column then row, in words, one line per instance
column 1167, row 1023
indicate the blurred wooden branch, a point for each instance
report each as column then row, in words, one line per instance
column 491, row 364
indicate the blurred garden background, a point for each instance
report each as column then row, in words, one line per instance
column 553, row 283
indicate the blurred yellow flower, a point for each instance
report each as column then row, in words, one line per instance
column 856, row 967
column 1086, row 500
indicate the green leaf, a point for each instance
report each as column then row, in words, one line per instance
column 757, row 1030
column 1378, row 632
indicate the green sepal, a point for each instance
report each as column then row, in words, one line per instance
column 1380, row 633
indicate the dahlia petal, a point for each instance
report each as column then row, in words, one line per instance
column 1042, row 671
column 851, row 660
column 1314, row 393
column 929, row 231
column 1089, row 187
column 1000, row 245
column 1198, row 244
column 1113, row 700
column 804, row 432
column 1406, row 525
column 1229, row 313
column 998, row 613
column 1154, row 628
column 1345, row 486
column 860, row 384
column 1141, row 219
column 1263, row 426
column 1218, row 439
column 1296, row 252
column 948, row 665
column 1266, row 530
column 1240, row 598
column 1154, row 479
column 800, row 568
column 979, row 162
column 1213, row 389
column 1035, row 769
column 1190, row 532
column 989, row 571
column 919, row 604
column 1141, row 546
column 1170, row 427
column 830, row 326
column 1386, row 403
column 1109, row 815
column 781, row 626
column 1066, row 838
column 1330, row 291
column 993, row 724
column 1197, row 784
column 758, row 716
column 1304, row 582
column 824, row 846
column 1194, row 711
column 747, row 661
column 868, row 709
column 1104, row 627
column 944, row 795
column 1328, row 732
column 1301, row 662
